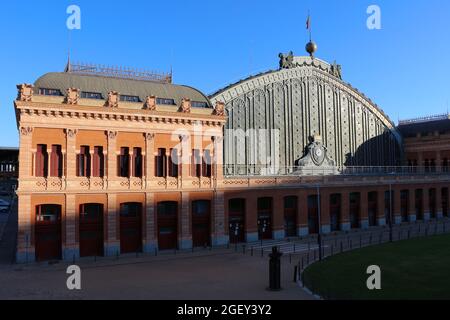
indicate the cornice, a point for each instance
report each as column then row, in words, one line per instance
column 102, row 113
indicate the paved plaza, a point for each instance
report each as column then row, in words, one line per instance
column 232, row 273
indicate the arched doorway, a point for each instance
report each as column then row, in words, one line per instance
column 335, row 212
column 419, row 204
column 265, row 218
column 313, row 215
column 290, row 216
column 354, row 209
column 404, row 207
column 167, row 225
column 48, row 232
column 91, row 230
column 372, row 208
column 236, row 217
column 131, row 227
column 201, row 223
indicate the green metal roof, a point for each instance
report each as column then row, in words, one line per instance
column 104, row 84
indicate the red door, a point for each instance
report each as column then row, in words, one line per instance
column 236, row 217
column 290, row 216
column 167, row 225
column 201, row 221
column 48, row 232
column 404, row 205
column 130, row 227
column 335, row 212
column 372, row 208
column 354, row 210
column 91, row 230
column 419, row 204
column 265, row 218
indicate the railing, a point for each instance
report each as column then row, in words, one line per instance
column 425, row 119
column 119, row 72
column 271, row 171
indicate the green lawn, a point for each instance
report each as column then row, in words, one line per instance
column 413, row 269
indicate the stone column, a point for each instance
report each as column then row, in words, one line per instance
column 325, row 211
column 112, row 156
column 149, row 158
column 412, row 205
column 150, row 240
column 364, row 209
column 25, row 235
column 426, row 204
column 72, row 248
column 251, row 217
column 71, row 156
column 439, row 214
column 112, row 242
column 381, row 215
column 185, row 237
column 25, row 155
column 302, row 213
column 345, row 210
column 278, row 231
column 219, row 237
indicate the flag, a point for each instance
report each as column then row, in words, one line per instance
column 308, row 23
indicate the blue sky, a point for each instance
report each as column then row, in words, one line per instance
column 403, row 67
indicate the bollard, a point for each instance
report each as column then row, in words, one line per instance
column 262, row 252
column 290, row 258
column 332, row 251
column 275, row 270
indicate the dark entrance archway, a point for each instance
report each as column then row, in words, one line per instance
column 236, row 217
column 91, row 230
column 48, row 232
column 313, row 215
column 290, row 216
column 167, row 225
column 265, row 206
column 355, row 199
column 201, row 223
column 131, row 227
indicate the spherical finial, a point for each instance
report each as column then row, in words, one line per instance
column 311, row 48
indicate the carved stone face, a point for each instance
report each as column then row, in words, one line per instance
column 185, row 106
column 73, row 95
column 219, row 110
column 150, row 103
column 113, row 99
column 25, row 92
